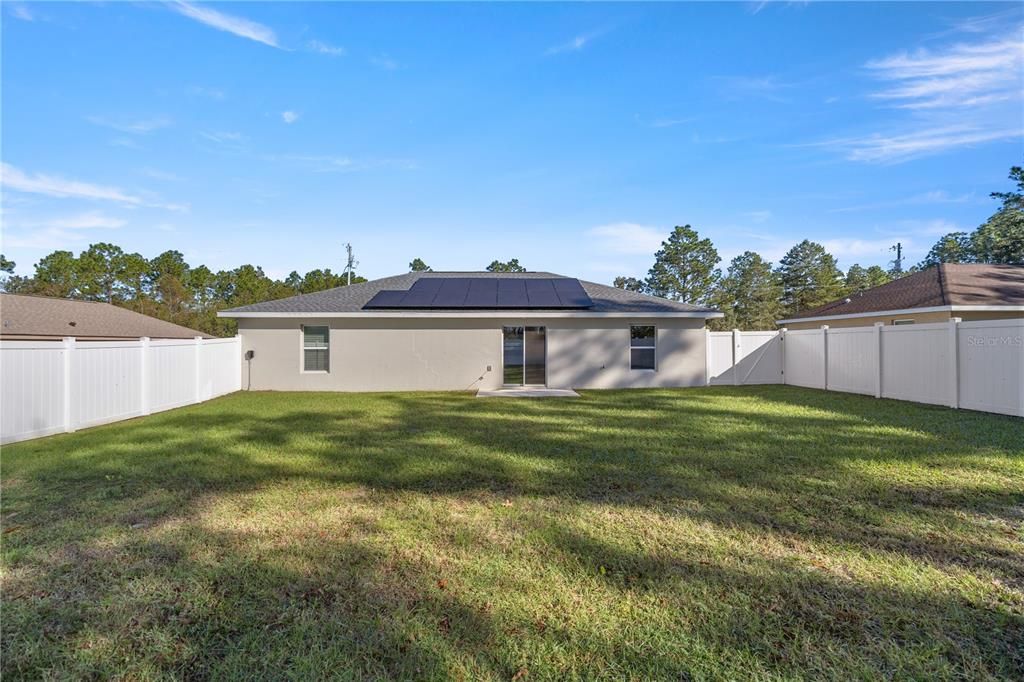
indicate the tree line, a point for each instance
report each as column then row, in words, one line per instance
column 752, row 293
column 166, row 287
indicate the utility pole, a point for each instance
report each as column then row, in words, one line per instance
column 897, row 265
column 351, row 263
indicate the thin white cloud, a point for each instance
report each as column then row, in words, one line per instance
column 140, row 127
column 222, row 137
column 321, row 47
column 761, row 216
column 88, row 221
column 933, row 197
column 628, row 238
column 671, row 122
column 289, row 116
column 211, row 93
column 158, row 174
column 385, row 62
column 57, row 232
column 126, row 142
column 55, row 186
column 339, row 164
column 244, row 28
column 962, row 75
column 575, row 44
column 20, row 11
column 848, row 249
column 769, row 87
column 906, row 145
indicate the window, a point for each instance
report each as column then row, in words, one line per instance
column 642, row 346
column 903, row 322
column 316, row 349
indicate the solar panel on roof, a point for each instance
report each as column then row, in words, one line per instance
column 386, row 299
column 484, row 293
column 571, row 293
column 452, row 293
column 512, row 294
column 422, row 292
column 541, row 293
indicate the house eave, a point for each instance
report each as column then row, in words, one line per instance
column 512, row 313
column 909, row 311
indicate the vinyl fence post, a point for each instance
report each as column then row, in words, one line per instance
column 238, row 347
column 69, row 348
column 954, row 363
column 782, row 340
column 199, row 348
column 878, row 359
column 707, row 356
column 736, row 355
column 824, row 355
column 144, row 374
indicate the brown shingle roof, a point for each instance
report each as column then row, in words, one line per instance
column 942, row 285
column 43, row 317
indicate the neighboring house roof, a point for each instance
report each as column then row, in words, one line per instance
column 350, row 300
column 949, row 286
column 44, row 317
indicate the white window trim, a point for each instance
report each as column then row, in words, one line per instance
column 903, row 321
column 302, row 350
column 629, row 348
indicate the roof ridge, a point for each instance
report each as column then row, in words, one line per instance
column 57, row 298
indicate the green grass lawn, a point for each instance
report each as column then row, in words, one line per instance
column 723, row 533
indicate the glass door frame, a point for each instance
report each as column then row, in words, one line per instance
column 522, row 365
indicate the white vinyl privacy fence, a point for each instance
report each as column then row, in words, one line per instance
column 972, row 365
column 59, row 386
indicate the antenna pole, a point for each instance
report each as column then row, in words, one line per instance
column 898, row 263
column 351, row 264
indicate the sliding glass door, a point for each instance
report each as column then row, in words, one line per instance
column 525, row 352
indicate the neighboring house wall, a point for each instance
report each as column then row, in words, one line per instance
column 918, row 318
column 395, row 354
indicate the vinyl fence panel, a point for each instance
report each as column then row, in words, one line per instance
column 172, row 374
column 105, row 382
column 741, row 358
column 720, row 358
column 853, row 360
column 219, row 368
column 32, row 379
column 760, row 358
column 49, row 387
column 991, row 366
column 805, row 358
column 916, row 363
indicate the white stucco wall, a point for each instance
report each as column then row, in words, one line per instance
column 594, row 353
column 464, row 354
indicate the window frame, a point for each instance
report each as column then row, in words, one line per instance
column 630, row 347
column 302, row 349
column 903, row 321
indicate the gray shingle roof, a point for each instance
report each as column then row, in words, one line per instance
column 351, row 299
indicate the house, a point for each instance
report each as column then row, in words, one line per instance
column 41, row 318
column 936, row 294
column 469, row 330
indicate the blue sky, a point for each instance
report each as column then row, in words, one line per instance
column 570, row 136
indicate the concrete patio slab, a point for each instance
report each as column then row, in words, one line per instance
column 528, row 392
